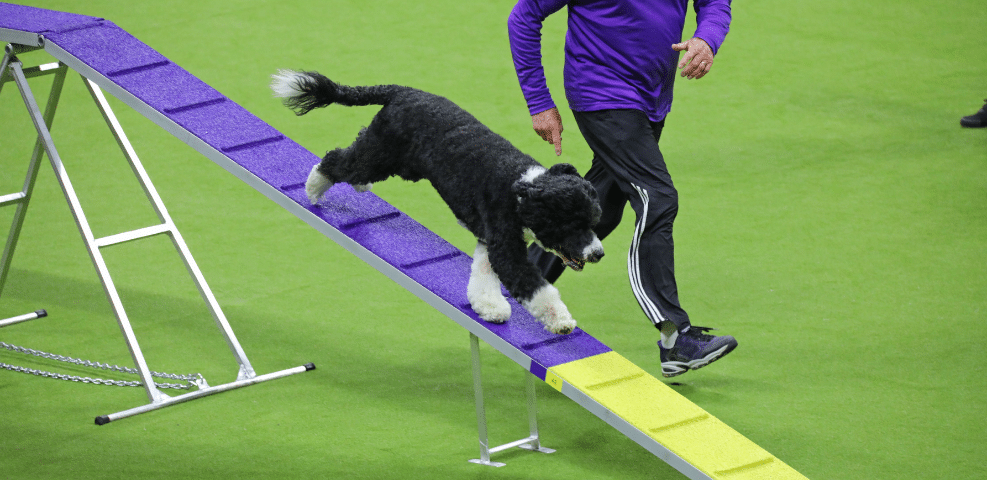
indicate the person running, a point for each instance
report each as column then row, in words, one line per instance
column 620, row 67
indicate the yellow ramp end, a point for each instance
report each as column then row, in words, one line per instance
column 670, row 419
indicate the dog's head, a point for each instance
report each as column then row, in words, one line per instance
column 559, row 208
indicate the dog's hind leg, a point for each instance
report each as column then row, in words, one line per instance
column 317, row 184
column 370, row 158
column 347, row 165
column 483, row 290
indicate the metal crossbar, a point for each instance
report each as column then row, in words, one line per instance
column 12, row 70
column 22, row 318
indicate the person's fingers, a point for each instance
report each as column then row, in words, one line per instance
column 548, row 126
column 697, row 69
column 687, row 70
column 691, row 69
column 552, row 133
column 703, row 69
column 683, row 46
column 539, row 123
column 698, row 59
column 685, row 60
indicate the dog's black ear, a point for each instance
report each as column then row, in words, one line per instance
column 563, row 169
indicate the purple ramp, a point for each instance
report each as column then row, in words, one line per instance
column 181, row 100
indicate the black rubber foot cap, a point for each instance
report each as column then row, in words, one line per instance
column 41, row 313
column 102, row 420
column 309, row 366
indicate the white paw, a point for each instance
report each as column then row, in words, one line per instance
column 491, row 308
column 316, row 185
column 363, row 187
column 483, row 289
column 560, row 326
column 546, row 305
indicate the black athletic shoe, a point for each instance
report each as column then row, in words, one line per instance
column 977, row 120
column 693, row 350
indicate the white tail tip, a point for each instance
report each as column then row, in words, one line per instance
column 287, row 83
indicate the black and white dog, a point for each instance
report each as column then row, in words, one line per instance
column 504, row 197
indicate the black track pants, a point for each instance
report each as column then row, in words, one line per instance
column 628, row 167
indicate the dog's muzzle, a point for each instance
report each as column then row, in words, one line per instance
column 577, row 264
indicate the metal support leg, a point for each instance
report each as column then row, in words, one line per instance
column 13, row 69
column 22, row 199
column 8, row 55
column 534, row 443
column 481, row 413
column 531, row 442
column 153, row 394
column 167, row 226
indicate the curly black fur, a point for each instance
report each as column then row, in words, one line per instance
column 562, row 212
column 418, row 135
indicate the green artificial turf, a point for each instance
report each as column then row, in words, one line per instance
column 832, row 219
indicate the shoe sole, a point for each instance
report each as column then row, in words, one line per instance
column 674, row 369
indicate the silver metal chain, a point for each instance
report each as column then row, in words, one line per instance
column 191, row 380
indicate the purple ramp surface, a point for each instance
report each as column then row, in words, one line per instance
column 283, row 164
column 39, row 20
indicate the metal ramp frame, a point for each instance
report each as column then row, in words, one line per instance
column 582, row 368
column 11, row 70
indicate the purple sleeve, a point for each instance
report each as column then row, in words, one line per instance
column 713, row 21
column 524, row 31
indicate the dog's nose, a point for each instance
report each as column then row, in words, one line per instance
column 595, row 256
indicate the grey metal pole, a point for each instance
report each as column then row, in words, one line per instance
column 23, row 198
column 167, row 227
column 154, row 395
column 481, row 414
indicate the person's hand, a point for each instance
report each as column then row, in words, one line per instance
column 698, row 58
column 548, row 126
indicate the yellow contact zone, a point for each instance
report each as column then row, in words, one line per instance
column 669, row 418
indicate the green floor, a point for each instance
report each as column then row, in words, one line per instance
column 833, row 218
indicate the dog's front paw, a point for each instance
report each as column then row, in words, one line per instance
column 547, row 307
column 316, row 185
column 491, row 308
column 561, row 326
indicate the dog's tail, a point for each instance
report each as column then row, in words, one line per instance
column 305, row 91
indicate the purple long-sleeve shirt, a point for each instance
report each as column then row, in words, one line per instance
column 618, row 53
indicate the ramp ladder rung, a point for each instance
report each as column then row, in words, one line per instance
column 374, row 219
column 32, row 72
column 430, row 261
column 134, row 235
column 12, row 198
column 681, row 423
column 138, row 68
column 747, row 466
column 253, row 144
column 193, row 106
